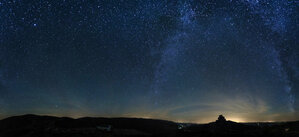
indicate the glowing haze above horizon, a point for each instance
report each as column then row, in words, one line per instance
column 185, row 61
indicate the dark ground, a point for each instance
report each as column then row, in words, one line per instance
column 47, row 126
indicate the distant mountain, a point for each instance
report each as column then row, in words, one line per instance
column 48, row 126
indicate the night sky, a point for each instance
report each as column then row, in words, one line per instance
column 185, row 61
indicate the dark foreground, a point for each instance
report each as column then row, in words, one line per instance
column 46, row 126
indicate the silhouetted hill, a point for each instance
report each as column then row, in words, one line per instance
column 234, row 129
column 48, row 126
column 34, row 125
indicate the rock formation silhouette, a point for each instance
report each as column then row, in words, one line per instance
column 221, row 119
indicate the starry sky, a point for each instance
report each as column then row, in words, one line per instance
column 185, row 61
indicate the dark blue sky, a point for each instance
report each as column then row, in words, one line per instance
column 181, row 61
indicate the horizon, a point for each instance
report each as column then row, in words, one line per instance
column 149, row 118
column 175, row 60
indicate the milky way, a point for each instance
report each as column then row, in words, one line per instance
column 180, row 61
